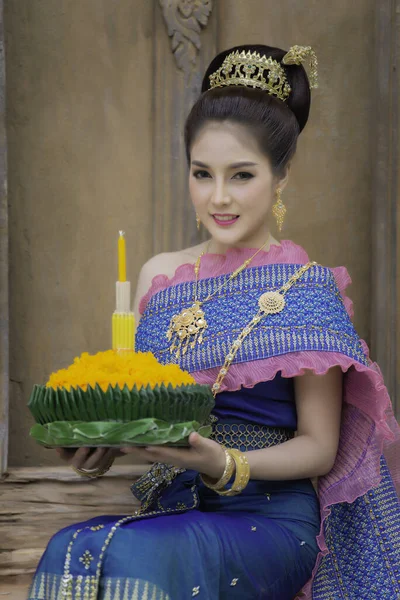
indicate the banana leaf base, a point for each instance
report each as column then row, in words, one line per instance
column 143, row 432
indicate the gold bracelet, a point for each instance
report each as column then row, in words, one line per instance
column 92, row 473
column 226, row 475
column 242, row 473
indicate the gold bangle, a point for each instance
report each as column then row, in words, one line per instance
column 226, row 475
column 242, row 473
column 92, row 473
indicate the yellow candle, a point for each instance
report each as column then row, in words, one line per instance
column 123, row 331
column 120, row 342
column 121, row 257
column 125, row 325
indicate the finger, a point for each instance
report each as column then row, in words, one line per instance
column 93, row 461
column 79, row 457
column 108, row 458
column 195, row 439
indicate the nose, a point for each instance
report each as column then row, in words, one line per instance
column 220, row 196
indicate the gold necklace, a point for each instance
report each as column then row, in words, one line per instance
column 187, row 328
column 270, row 303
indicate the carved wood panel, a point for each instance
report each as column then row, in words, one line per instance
column 184, row 20
column 179, row 65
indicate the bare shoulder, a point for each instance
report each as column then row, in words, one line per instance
column 165, row 263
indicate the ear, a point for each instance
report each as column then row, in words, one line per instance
column 282, row 182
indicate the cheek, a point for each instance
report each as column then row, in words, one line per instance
column 256, row 194
column 198, row 191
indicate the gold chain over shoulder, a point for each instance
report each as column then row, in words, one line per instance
column 270, row 303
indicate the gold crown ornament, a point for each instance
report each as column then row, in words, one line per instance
column 297, row 55
column 252, row 69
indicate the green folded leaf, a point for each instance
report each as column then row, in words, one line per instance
column 111, row 433
column 173, row 405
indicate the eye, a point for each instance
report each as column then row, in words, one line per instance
column 201, row 174
column 243, row 176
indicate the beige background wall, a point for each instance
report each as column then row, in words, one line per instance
column 79, row 98
column 82, row 162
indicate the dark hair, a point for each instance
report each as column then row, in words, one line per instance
column 275, row 124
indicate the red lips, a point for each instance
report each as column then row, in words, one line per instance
column 225, row 221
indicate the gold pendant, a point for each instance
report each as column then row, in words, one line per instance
column 271, row 303
column 186, row 329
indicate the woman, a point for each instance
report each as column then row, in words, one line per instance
column 271, row 333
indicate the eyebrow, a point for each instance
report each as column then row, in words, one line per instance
column 237, row 165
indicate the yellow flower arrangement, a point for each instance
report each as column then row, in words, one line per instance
column 110, row 368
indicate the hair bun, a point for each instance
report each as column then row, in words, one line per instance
column 300, row 97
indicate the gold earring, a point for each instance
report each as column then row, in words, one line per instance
column 198, row 222
column 279, row 209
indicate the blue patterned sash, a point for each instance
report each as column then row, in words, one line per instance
column 314, row 318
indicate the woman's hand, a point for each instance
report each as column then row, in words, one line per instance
column 204, row 455
column 88, row 458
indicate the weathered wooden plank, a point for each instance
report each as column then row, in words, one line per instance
column 65, row 473
column 35, row 503
column 15, row 588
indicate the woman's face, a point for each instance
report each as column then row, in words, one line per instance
column 232, row 185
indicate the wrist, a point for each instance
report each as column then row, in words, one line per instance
column 215, row 470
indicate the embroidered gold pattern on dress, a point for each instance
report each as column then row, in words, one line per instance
column 86, row 559
column 48, row 585
column 196, row 591
column 234, row 581
column 91, row 591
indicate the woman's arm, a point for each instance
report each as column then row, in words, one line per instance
column 312, row 452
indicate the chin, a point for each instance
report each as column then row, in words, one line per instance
column 228, row 238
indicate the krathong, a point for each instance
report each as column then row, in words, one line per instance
column 119, row 397
column 113, row 399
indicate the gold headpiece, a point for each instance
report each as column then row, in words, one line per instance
column 254, row 70
column 299, row 54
